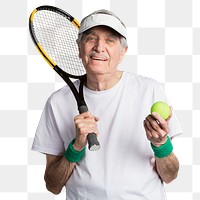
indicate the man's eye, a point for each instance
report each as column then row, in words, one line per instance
column 90, row 38
column 110, row 40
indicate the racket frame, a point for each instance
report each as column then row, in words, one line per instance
column 82, row 107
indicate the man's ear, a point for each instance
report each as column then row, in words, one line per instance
column 124, row 50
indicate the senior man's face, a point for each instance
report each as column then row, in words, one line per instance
column 101, row 51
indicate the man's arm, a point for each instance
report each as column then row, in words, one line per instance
column 58, row 171
column 167, row 168
column 58, row 168
column 157, row 130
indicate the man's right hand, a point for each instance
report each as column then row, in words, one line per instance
column 85, row 123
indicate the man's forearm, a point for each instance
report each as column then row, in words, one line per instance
column 167, row 167
column 57, row 174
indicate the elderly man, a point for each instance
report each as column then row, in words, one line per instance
column 136, row 154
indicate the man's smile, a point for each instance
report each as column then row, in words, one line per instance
column 98, row 58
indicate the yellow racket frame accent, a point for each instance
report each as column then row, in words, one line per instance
column 32, row 14
column 45, row 56
column 76, row 23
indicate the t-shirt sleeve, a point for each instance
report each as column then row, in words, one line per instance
column 159, row 95
column 47, row 138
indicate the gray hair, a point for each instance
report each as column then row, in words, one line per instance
column 122, row 39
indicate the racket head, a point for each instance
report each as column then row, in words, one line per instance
column 54, row 33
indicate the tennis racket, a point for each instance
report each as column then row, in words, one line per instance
column 54, row 33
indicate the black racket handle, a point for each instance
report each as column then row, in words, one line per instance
column 93, row 143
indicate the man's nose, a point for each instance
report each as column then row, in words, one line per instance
column 99, row 46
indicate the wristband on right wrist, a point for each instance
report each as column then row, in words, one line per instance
column 164, row 150
column 73, row 155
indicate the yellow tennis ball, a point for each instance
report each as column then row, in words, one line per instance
column 161, row 108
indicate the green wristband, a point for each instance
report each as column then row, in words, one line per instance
column 73, row 155
column 164, row 150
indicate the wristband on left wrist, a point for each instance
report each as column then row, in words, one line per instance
column 164, row 150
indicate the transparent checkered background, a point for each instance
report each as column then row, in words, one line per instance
column 164, row 43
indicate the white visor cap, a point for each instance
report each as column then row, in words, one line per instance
column 102, row 20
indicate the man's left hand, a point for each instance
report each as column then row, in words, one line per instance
column 157, row 128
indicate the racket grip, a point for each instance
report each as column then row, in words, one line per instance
column 93, row 143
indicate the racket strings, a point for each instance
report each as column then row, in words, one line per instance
column 57, row 36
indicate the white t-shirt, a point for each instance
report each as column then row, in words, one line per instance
column 122, row 169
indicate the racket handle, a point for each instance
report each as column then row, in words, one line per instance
column 93, row 143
